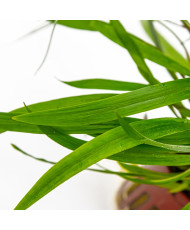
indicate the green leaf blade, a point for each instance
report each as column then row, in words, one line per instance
column 105, row 84
column 125, row 104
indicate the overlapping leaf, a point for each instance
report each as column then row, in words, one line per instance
column 125, row 104
column 103, row 146
column 136, row 135
column 8, row 124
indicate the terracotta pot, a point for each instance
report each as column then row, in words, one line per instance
column 133, row 196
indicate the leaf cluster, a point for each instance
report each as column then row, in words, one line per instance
column 116, row 136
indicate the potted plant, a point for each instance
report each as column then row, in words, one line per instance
column 132, row 142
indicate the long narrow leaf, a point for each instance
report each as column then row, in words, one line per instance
column 125, row 104
column 105, row 84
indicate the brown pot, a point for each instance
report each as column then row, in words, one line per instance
column 133, row 196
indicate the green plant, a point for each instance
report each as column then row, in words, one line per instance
column 160, row 141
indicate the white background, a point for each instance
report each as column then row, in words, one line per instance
column 74, row 54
